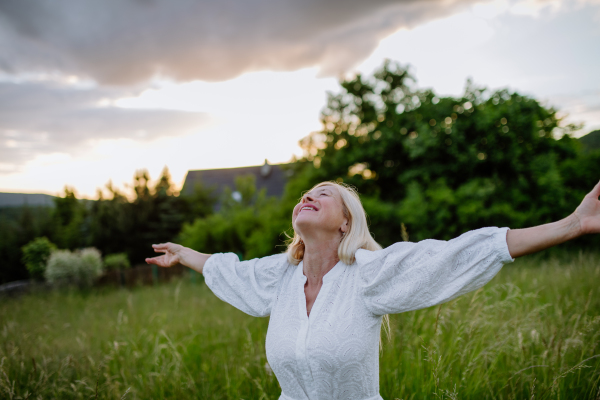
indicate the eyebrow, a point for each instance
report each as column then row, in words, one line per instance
column 320, row 190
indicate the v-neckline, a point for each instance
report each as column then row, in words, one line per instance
column 327, row 278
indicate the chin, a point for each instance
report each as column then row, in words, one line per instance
column 303, row 221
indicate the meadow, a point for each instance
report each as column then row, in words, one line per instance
column 531, row 333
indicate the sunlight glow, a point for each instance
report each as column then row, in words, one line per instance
column 254, row 117
column 265, row 92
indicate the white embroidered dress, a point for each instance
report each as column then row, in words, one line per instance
column 334, row 353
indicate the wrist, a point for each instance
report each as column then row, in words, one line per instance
column 574, row 226
column 193, row 259
column 184, row 255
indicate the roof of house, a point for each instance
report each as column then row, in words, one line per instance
column 270, row 177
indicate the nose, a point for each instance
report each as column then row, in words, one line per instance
column 307, row 197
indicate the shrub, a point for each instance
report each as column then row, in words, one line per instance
column 62, row 266
column 90, row 266
column 35, row 256
column 117, row 261
column 80, row 268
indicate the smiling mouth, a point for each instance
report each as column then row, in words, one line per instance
column 307, row 208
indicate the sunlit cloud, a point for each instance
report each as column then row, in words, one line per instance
column 548, row 54
column 264, row 92
column 38, row 118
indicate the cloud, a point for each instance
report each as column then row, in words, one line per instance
column 44, row 118
column 127, row 41
column 579, row 107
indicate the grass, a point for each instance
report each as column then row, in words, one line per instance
column 531, row 333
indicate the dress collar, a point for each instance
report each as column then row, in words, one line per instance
column 330, row 276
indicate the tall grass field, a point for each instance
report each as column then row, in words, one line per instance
column 531, row 333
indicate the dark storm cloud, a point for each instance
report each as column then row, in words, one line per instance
column 121, row 43
column 42, row 118
column 125, row 41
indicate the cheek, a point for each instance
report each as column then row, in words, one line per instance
column 337, row 214
column 295, row 212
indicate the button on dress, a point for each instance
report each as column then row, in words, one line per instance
column 334, row 352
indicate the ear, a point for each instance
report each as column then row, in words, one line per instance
column 344, row 227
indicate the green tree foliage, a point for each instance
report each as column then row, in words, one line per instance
column 110, row 221
column 249, row 223
column 69, row 216
column 117, row 261
column 35, row 256
column 591, row 141
column 439, row 165
column 116, row 223
column 19, row 226
column 201, row 202
column 242, row 225
column 155, row 214
column 444, row 165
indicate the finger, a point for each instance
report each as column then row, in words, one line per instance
column 161, row 246
column 150, row 260
column 160, row 250
column 156, row 261
column 596, row 190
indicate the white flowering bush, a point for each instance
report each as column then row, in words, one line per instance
column 81, row 267
column 62, row 266
column 90, row 266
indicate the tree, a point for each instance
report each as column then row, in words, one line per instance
column 35, row 256
column 69, row 218
column 243, row 225
column 19, row 226
column 200, row 203
column 444, row 165
column 110, row 225
column 116, row 262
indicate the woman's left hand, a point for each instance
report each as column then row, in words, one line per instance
column 588, row 212
column 584, row 220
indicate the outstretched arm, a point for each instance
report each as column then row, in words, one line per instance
column 585, row 220
column 177, row 254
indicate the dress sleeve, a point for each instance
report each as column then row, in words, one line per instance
column 249, row 286
column 409, row 276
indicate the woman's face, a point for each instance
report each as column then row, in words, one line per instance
column 320, row 211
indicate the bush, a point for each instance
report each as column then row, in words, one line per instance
column 90, row 266
column 117, row 261
column 80, row 268
column 35, row 256
column 62, row 266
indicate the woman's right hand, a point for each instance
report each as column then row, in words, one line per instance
column 177, row 254
column 171, row 257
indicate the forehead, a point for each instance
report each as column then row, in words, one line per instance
column 324, row 188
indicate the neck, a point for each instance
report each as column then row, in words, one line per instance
column 320, row 256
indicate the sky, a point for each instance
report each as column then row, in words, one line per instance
column 90, row 92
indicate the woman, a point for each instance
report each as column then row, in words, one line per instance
column 327, row 295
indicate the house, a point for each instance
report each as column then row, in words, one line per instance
column 271, row 177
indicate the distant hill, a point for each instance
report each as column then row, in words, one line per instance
column 31, row 199
column 591, row 141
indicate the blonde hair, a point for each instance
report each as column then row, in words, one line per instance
column 357, row 236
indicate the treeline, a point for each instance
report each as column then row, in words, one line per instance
column 437, row 165
column 114, row 224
